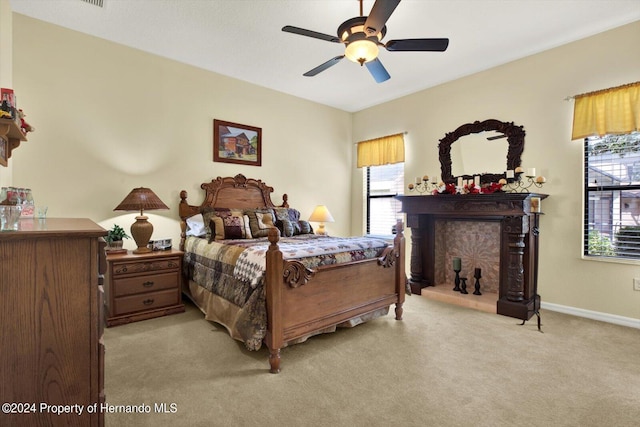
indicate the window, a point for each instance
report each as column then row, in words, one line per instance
column 383, row 209
column 612, row 196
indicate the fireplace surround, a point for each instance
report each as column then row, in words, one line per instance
column 518, row 254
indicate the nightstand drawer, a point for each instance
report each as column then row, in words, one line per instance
column 141, row 284
column 146, row 266
column 149, row 301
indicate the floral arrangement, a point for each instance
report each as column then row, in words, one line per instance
column 471, row 188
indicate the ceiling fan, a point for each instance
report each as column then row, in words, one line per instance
column 362, row 37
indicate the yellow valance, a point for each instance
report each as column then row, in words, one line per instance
column 609, row 111
column 381, row 151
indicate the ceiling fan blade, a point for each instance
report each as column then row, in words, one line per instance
column 421, row 45
column 377, row 70
column 309, row 33
column 380, row 13
column 320, row 68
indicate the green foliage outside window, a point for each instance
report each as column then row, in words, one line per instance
column 599, row 244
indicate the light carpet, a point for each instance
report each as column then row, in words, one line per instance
column 443, row 365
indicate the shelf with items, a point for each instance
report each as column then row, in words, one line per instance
column 10, row 137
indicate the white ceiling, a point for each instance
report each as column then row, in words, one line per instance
column 243, row 38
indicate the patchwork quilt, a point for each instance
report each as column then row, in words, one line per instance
column 234, row 269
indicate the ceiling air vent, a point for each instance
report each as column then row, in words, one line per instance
column 98, row 3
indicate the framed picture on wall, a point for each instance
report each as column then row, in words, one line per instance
column 236, row 143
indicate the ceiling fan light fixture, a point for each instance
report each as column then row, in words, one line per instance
column 361, row 51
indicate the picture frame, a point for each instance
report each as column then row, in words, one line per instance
column 237, row 143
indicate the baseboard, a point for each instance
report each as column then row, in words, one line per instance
column 595, row 315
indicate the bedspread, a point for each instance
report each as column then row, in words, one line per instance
column 234, row 270
column 312, row 252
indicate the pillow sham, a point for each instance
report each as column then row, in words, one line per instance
column 230, row 227
column 225, row 223
column 260, row 225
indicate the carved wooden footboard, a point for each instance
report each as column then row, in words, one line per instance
column 301, row 301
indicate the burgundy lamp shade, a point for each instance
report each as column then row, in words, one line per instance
column 141, row 199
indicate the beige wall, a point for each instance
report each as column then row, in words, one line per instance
column 109, row 118
column 530, row 92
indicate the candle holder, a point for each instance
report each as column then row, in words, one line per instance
column 522, row 186
column 457, row 280
column 424, row 186
column 477, row 275
column 463, row 285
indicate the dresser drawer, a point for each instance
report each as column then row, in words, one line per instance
column 142, row 302
column 159, row 265
column 145, row 283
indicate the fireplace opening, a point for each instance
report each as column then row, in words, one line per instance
column 477, row 244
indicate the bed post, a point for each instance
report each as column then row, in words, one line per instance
column 273, row 290
column 401, row 278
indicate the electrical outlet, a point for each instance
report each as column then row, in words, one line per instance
column 636, row 284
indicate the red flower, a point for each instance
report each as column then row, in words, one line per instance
column 492, row 188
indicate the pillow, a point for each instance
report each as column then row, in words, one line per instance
column 229, row 224
column 285, row 226
column 265, row 220
column 207, row 215
column 195, row 226
column 260, row 225
column 285, row 218
column 302, row 227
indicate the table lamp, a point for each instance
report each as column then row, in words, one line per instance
column 141, row 230
column 321, row 214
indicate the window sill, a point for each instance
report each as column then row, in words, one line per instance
column 611, row 260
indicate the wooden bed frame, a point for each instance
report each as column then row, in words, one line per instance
column 302, row 301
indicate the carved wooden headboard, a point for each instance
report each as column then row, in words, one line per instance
column 229, row 192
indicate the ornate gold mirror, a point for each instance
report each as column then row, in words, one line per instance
column 515, row 146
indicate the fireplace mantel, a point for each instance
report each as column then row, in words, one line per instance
column 518, row 241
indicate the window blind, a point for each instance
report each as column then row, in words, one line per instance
column 612, row 196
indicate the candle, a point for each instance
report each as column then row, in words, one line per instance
column 418, row 180
column 509, row 173
column 434, row 179
column 425, row 178
column 457, row 264
column 410, row 186
column 476, row 180
column 541, row 180
column 535, row 204
column 459, row 181
column 519, row 170
column 531, row 172
column 477, row 273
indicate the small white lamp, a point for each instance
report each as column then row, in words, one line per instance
column 321, row 214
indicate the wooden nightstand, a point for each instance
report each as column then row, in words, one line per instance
column 144, row 286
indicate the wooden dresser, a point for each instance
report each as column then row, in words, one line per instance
column 143, row 286
column 51, row 350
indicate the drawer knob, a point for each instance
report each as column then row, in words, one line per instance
column 147, row 284
column 148, row 301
